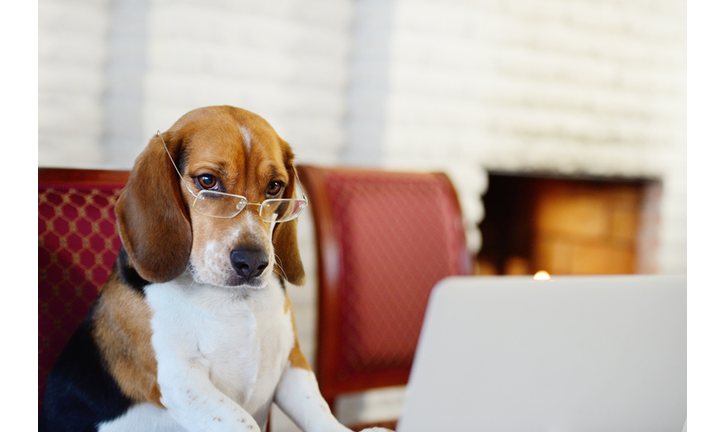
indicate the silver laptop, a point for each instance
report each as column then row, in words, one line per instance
column 605, row 353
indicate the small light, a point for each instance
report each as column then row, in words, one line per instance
column 542, row 275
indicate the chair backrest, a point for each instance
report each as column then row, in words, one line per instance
column 77, row 245
column 383, row 240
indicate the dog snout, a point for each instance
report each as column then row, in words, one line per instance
column 249, row 263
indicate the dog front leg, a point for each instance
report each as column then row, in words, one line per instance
column 299, row 397
column 197, row 405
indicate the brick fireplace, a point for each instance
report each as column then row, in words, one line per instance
column 569, row 225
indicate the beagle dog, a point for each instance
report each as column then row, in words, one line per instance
column 194, row 330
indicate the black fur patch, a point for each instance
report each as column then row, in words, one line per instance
column 128, row 274
column 81, row 393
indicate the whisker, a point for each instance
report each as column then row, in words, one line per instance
column 278, row 261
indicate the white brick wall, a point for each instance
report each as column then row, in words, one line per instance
column 571, row 86
column 72, row 52
column 286, row 61
column 127, row 67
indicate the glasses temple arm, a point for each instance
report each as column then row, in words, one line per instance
column 158, row 134
column 306, row 201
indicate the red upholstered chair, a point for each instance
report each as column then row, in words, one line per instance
column 77, row 245
column 383, row 240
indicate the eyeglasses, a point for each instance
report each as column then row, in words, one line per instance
column 224, row 205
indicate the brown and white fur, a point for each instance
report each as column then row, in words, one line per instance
column 179, row 339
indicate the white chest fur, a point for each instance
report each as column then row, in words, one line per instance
column 240, row 342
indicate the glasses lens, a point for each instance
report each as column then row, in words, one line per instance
column 281, row 210
column 217, row 204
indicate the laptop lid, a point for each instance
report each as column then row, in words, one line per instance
column 604, row 353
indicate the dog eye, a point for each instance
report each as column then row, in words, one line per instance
column 274, row 188
column 206, row 181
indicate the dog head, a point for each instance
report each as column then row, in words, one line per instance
column 222, row 149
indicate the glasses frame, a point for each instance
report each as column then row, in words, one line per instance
column 243, row 202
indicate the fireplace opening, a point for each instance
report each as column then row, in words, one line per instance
column 569, row 225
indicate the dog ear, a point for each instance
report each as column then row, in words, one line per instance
column 152, row 219
column 286, row 247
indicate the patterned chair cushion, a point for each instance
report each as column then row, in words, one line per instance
column 77, row 246
column 383, row 240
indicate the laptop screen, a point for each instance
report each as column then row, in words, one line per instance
column 570, row 354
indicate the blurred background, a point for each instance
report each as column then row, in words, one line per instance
column 562, row 123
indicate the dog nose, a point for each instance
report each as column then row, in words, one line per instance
column 249, row 263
